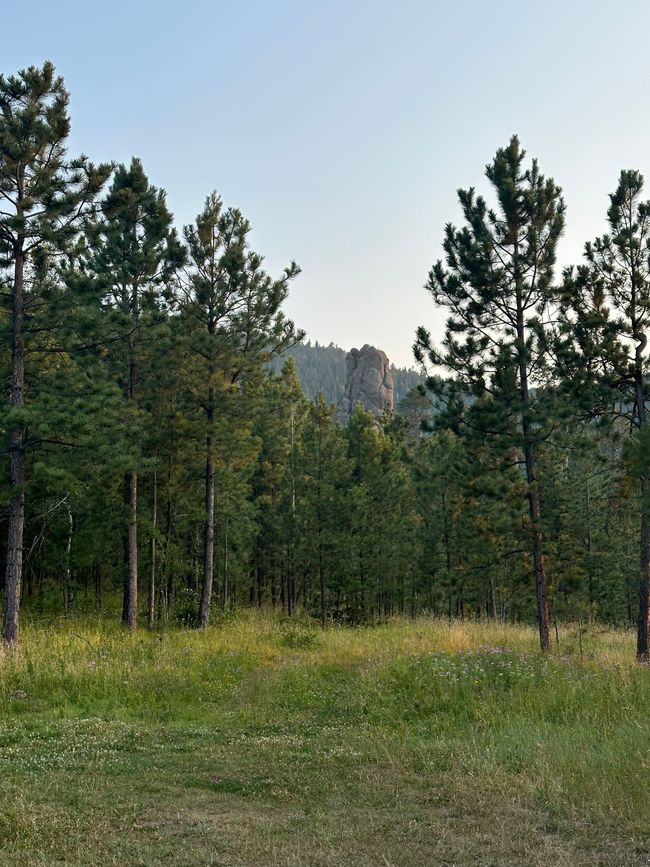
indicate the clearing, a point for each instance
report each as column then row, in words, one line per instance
column 266, row 742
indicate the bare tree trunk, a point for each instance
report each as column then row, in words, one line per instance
column 98, row 587
column 226, row 566
column 414, row 597
column 130, row 610
column 130, row 615
column 152, row 571
column 538, row 556
column 291, row 576
column 14, row 568
column 290, row 579
column 492, row 604
column 321, row 554
column 208, row 549
column 643, row 626
column 321, row 576
column 68, row 592
column 169, row 584
column 643, row 630
column 590, row 575
column 533, row 487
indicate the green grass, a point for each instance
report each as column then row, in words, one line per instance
column 262, row 742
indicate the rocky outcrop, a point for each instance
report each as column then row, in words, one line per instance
column 368, row 382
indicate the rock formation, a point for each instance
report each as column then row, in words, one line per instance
column 368, row 382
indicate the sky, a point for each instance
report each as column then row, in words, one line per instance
column 342, row 130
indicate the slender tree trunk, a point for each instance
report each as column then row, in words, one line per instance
column 533, row 487
column 321, row 576
column 283, row 584
column 194, row 574
column 538, row 555
column 226, row 566
column 492, row 612
column 208, row 536
column 291, row 578
column 260, row 586
column 130, row 611
column 208, row 544
column 169, row 584
column 14, row 568
column 643, row 630
column 643, row 626
column 152, row 571
column 68, row 592
column 590, row 575
column 98, row 587
column 274, row 586
column 130, row 615
column 414, row 597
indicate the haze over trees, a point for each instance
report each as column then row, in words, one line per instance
column 164, row 423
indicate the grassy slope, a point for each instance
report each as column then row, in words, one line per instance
column 258, row 743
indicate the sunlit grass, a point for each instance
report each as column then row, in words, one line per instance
column 265, row 741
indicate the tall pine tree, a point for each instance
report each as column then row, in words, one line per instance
column 44, row 197
column 134, row 253
column 602, row 345
column 496, row 279
column 233, row 310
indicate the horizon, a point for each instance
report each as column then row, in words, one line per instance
column 343, row 134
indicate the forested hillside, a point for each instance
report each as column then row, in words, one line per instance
column 169, row 452
column 321, row 370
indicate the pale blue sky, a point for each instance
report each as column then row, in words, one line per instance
column 343, row 129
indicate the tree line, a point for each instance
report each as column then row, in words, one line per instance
column 156, row 452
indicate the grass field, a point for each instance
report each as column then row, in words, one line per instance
column 263, row 742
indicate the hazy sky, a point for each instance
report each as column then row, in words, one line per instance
column 343, row 129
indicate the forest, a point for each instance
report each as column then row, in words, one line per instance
column 165, row 464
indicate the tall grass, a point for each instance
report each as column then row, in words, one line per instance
column 421, row 721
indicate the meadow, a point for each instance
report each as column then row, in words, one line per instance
column 263, row 741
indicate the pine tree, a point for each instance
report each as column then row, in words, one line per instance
column 233, row 310
column 602, row 347
column 45, row 197
column 134, row 252
column 497, row 278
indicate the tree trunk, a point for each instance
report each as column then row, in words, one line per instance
column 152, row 571
column 226, row 566
column 68, row 590
column 130, row 614
column 538, row 555
column 208, row 544
column 533, row 487
column 14, row 568
column 643, row 627
column 643, row 630
column 321, row 576
column 169, row 584
column 130, row 610
column 291, row 577
column 492, row 602
column 98, row 587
